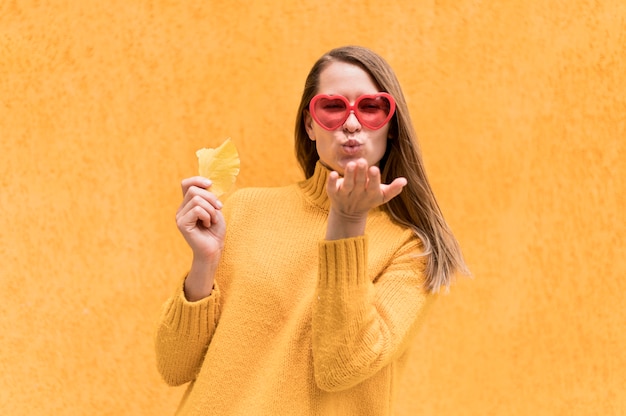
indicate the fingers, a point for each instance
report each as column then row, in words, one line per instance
column 355, row 176
column 333, row 182
column 197, row 186
column 373, row 178
column 361, row 187
column 198, row 204
column 386, row 192
column 359, row 177
column 198, row 208
column 199, row 181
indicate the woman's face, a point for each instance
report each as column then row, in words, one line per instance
column 351, row 140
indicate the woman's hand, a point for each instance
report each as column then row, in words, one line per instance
column 199, row 218
column 354, row 195
column 200, row 221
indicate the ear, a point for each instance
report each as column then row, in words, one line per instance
column 308, row 125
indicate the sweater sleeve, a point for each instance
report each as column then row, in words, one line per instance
column 360, row 324
column 183, row 334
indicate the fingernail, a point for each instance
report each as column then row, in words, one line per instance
column 219, row 204
column 206, row 182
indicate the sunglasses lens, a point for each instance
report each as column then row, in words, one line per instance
column 330, row 112
column 374, row 111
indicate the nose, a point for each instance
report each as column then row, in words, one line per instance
column 352, row 123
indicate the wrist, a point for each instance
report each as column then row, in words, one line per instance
column 342, row 225
column 200, row 280
column 206, row 256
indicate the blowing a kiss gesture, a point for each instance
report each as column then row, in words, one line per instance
column 354, row 195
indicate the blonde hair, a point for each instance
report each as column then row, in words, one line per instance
column 416, row 206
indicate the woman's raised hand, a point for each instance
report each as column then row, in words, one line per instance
column 199, row 219
column 354, row 195
column 360, row 189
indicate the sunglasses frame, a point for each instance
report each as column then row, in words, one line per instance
column 352, row 108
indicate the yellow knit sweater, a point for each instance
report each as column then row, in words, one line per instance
column 296, row 325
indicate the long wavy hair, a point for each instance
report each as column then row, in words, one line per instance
column 416, row 206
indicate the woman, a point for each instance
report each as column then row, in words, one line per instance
column 309, row 302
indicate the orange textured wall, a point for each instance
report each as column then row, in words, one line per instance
column 521, row 110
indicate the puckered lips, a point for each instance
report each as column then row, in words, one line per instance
column 351, row 147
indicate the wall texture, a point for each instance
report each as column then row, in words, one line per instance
column 521, row 110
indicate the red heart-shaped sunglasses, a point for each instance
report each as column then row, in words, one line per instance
column 372, row 110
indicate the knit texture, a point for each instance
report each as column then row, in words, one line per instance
column 296, row 325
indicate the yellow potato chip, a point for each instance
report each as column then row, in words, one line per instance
column 221, row 165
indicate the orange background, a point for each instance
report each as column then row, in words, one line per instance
column 521, row 111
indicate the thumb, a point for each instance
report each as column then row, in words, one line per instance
column 393, row 189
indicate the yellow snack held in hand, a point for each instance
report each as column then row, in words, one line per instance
column 221, row 165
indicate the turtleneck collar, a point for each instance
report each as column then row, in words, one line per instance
column 314, row 188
